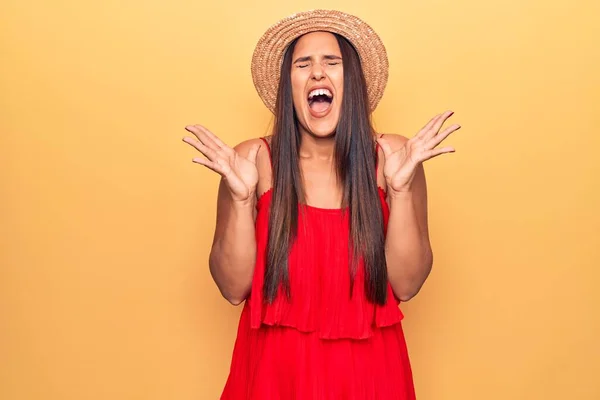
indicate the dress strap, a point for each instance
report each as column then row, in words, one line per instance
column 268, row 150
column 377, row 158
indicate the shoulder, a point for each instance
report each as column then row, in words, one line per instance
column 395, row 140
column 263, row 160
column 243, row 148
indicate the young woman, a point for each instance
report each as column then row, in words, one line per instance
column 322, row 227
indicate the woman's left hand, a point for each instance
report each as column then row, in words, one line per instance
column 400, row 165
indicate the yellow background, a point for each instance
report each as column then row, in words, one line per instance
column 106, row 224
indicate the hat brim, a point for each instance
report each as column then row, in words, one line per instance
column 270, row 49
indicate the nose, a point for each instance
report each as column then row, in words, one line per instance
column 317, row 72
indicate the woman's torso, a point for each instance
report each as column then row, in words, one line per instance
column 325, row 298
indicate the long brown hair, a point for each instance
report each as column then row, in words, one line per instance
column 355, row 160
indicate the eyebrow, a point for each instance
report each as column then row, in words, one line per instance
column 326, row 57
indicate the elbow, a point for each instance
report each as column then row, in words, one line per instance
column 234, row 301
column 407, row 295
column 235, row 296
column 408, row 292
column 413, row 286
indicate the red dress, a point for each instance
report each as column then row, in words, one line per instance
column 321, row 344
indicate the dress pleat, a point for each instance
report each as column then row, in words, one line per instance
column 324, row 343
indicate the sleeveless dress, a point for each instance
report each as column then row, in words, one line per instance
column 322, row 343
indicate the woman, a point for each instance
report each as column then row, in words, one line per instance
column 322, row 227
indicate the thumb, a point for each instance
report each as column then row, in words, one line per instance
column 253, row 153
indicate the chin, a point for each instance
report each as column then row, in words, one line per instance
column 321, row 127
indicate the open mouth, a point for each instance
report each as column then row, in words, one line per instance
column 319, row 101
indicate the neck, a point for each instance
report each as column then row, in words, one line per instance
column 316, row 147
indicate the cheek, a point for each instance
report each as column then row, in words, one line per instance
column 338, row 81
column 297, row 86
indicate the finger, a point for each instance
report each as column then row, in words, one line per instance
column 428, row 155
column 437, row 139
column 428, row 126
column 219, row 166
column 385, row 146
column 200, row 132
column 198, row 145
column 209, row 164
column 214, row 138
column 253, row 153
column 438, row 124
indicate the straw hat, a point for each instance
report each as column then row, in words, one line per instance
column 269, row 51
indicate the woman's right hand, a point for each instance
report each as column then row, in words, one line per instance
column 240, row 173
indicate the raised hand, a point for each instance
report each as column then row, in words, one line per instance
column 240, row 173
column 401, row 165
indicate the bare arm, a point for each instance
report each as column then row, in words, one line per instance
column 407, row 246
column 233, row 251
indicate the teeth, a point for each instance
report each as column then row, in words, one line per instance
column 320, row 92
